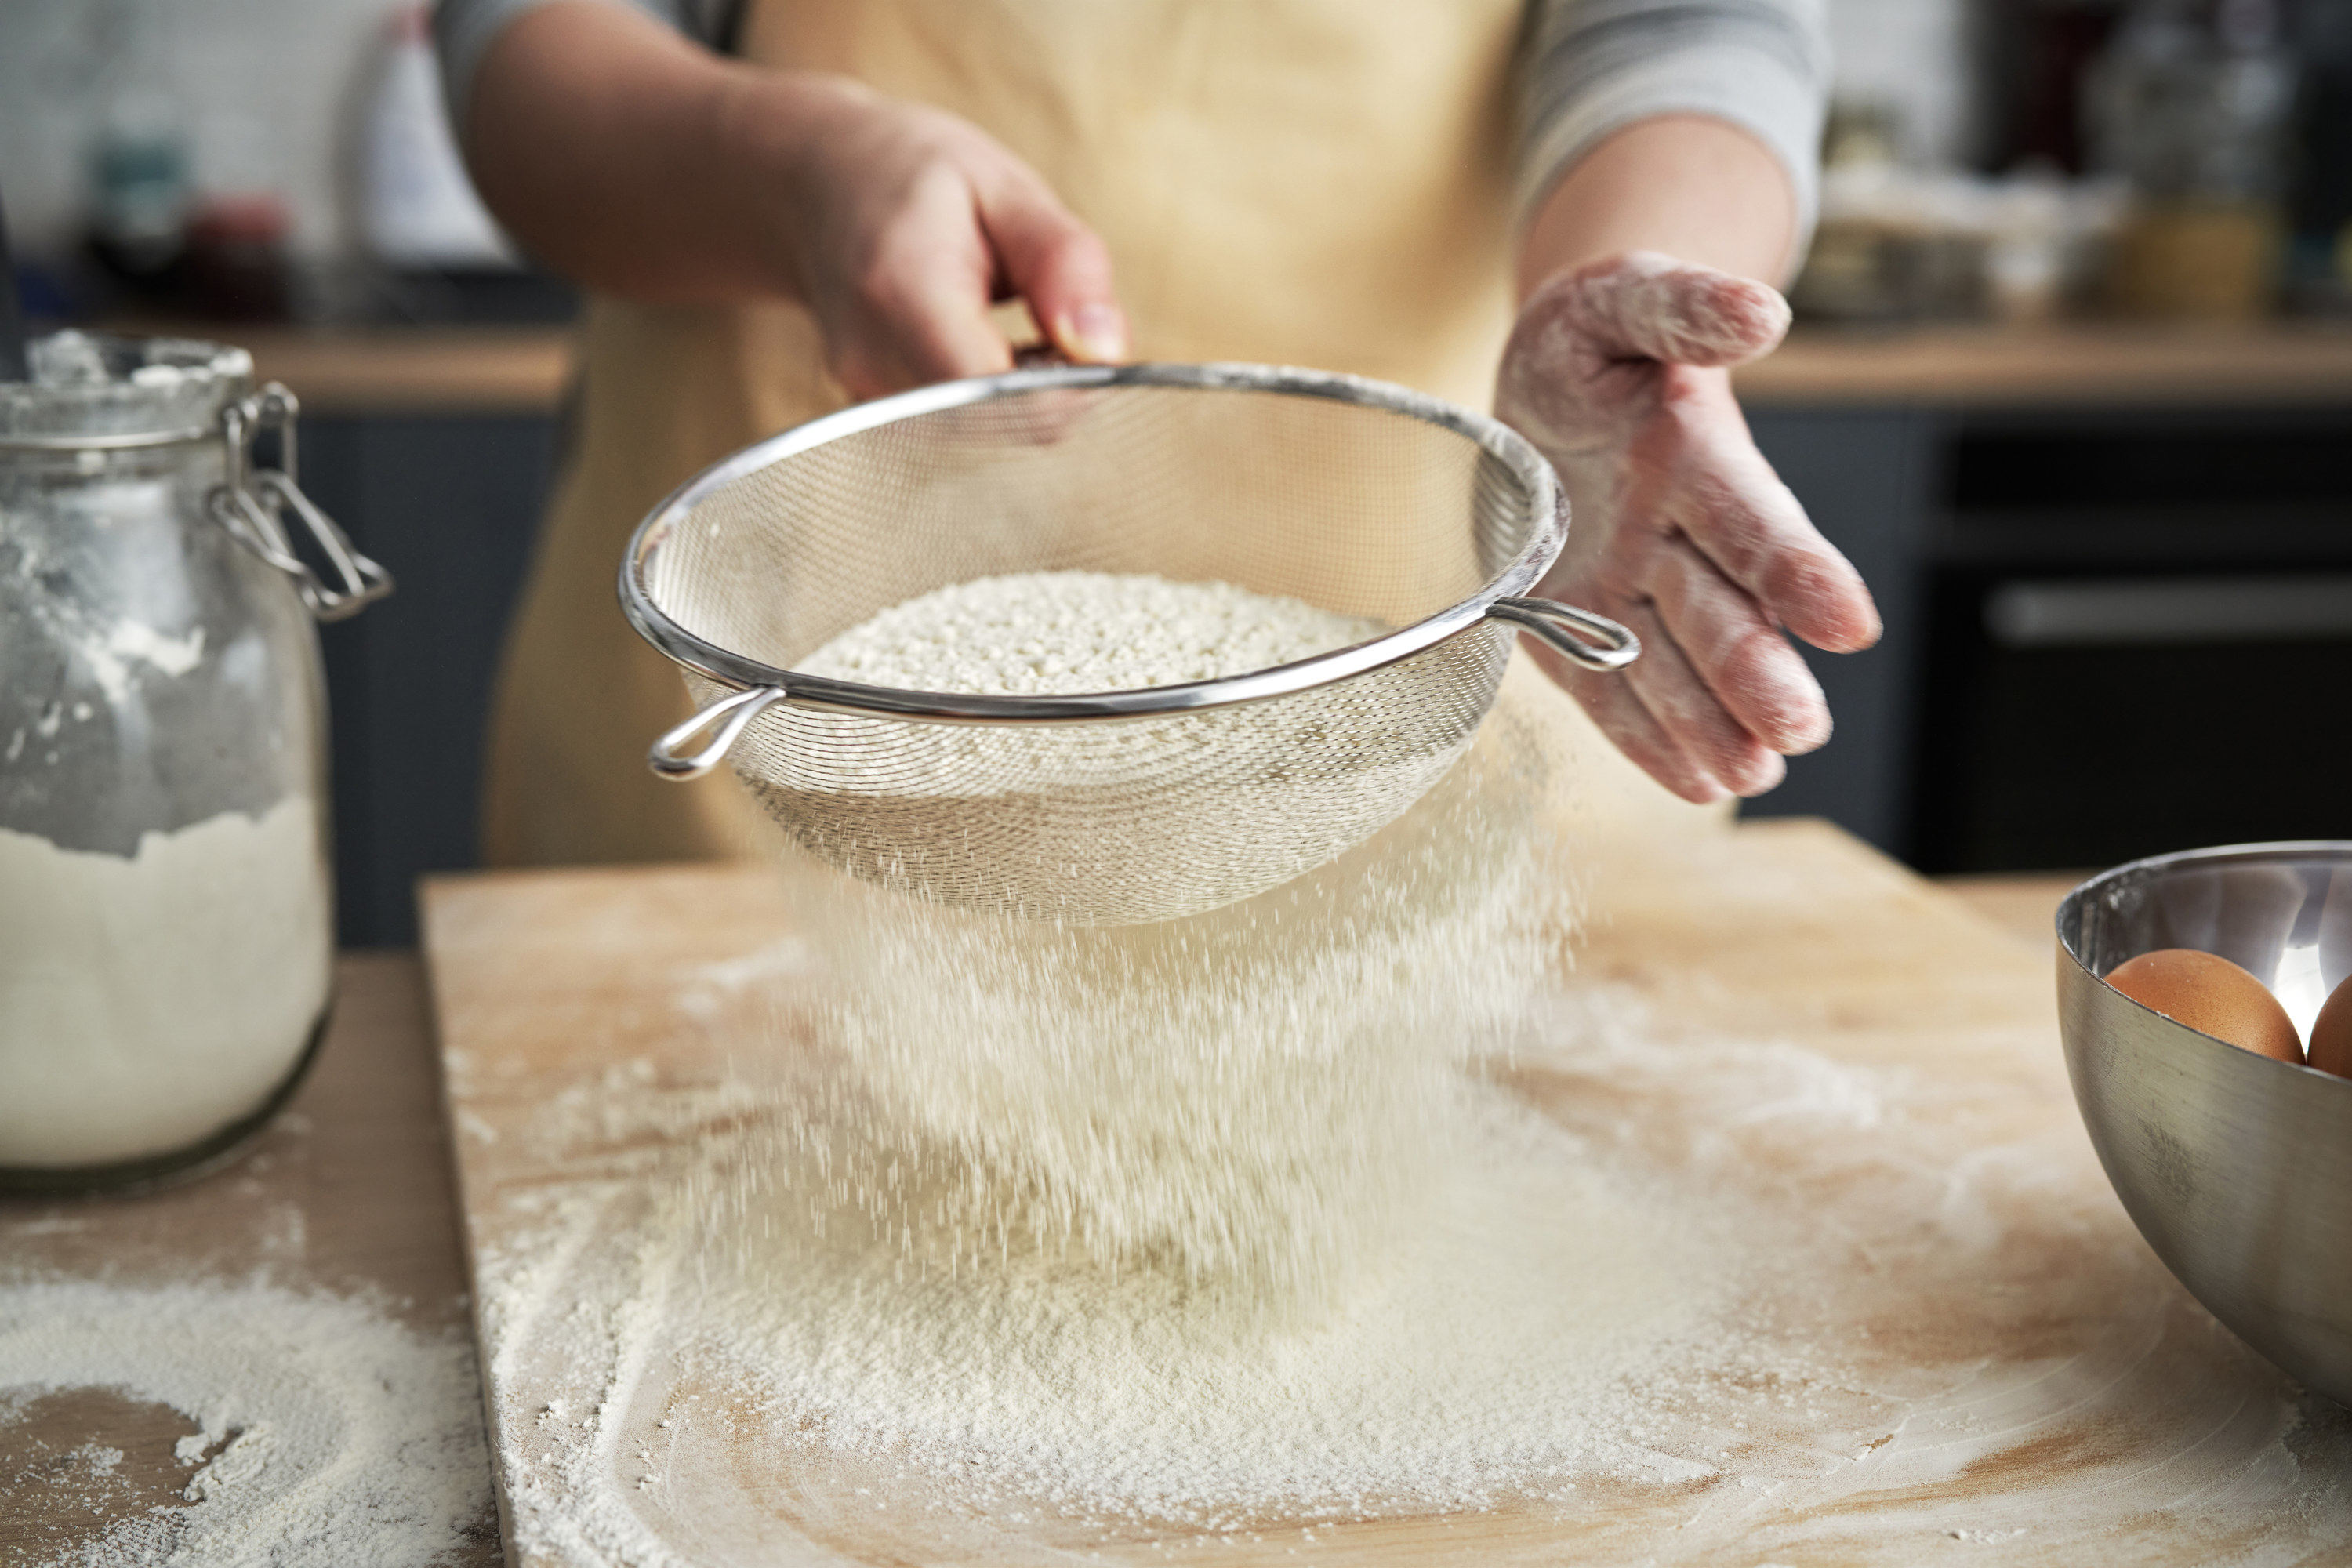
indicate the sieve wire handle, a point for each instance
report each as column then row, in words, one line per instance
column 1579, row 636
column 737, row 710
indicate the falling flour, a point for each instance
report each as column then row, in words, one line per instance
column 1240, row 1098
column 327, row 1434
column 1244, row 1099
column 1156, row 1221
column 148, row 1001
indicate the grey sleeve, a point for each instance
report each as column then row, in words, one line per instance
column 463, row 31
column 1596, row 66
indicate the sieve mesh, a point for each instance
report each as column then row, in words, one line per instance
column 1359, row 498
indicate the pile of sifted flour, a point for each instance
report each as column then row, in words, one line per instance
column 148, row 1001
column 1508, row 1336
column 327, row 1434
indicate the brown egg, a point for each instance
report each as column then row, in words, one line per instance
column 2331, row 1033
column 2213, row 996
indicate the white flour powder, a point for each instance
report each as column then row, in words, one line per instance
column 147, row 1001
column 1066, row 632
column 1508, row 1338
column 1161, row 1222
column 328, row 1435
column 1098, row 824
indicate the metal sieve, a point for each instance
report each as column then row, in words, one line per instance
column 1113, row 807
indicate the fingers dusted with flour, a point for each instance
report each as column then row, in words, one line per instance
column 1617, row 370
column 1642, row 306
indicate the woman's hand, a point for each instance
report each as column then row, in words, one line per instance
column 650, row 168
column 903, row 223
column 1618, row 371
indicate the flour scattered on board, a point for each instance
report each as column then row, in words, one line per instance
column 328, row 1434
column 1612, row 1307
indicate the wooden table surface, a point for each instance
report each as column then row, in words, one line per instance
column 1947, row 1329
column 351, row 1191
column 2107, row 364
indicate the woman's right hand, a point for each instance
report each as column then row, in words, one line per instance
column 649, row 168
column 905, row 224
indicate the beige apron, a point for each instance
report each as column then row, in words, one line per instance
column 1321, row 182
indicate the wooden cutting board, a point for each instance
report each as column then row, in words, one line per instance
column 2018, row 1379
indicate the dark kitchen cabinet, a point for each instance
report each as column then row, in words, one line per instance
column 450, row 503
column 1866, row 476
column 2111, row 632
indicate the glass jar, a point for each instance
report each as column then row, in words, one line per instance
column 2190, row 104
column 167, row 908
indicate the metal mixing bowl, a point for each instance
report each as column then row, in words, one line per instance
column 2236, row 1168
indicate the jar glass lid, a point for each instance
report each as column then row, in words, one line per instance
column 90, row 390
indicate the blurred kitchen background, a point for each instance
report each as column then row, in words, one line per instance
column 2072, row 383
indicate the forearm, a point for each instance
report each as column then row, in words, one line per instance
column 638, row 162
column 1694, row 187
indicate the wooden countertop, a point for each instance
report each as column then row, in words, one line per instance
column 524, row 369
column 407, row 370
column 2112, row 365
column 357, row 1174
column 1978, row 1348
column 2025, row 906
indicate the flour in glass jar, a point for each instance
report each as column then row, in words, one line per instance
column 150, row 1000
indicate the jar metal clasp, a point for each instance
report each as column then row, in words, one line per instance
column 256, row 502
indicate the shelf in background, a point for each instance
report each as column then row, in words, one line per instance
column 413, row 369
column 511, row 369
column 2075, row 365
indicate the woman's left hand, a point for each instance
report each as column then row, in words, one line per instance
column 1619, row 371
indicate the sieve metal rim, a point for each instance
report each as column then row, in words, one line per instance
column 750, row 676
